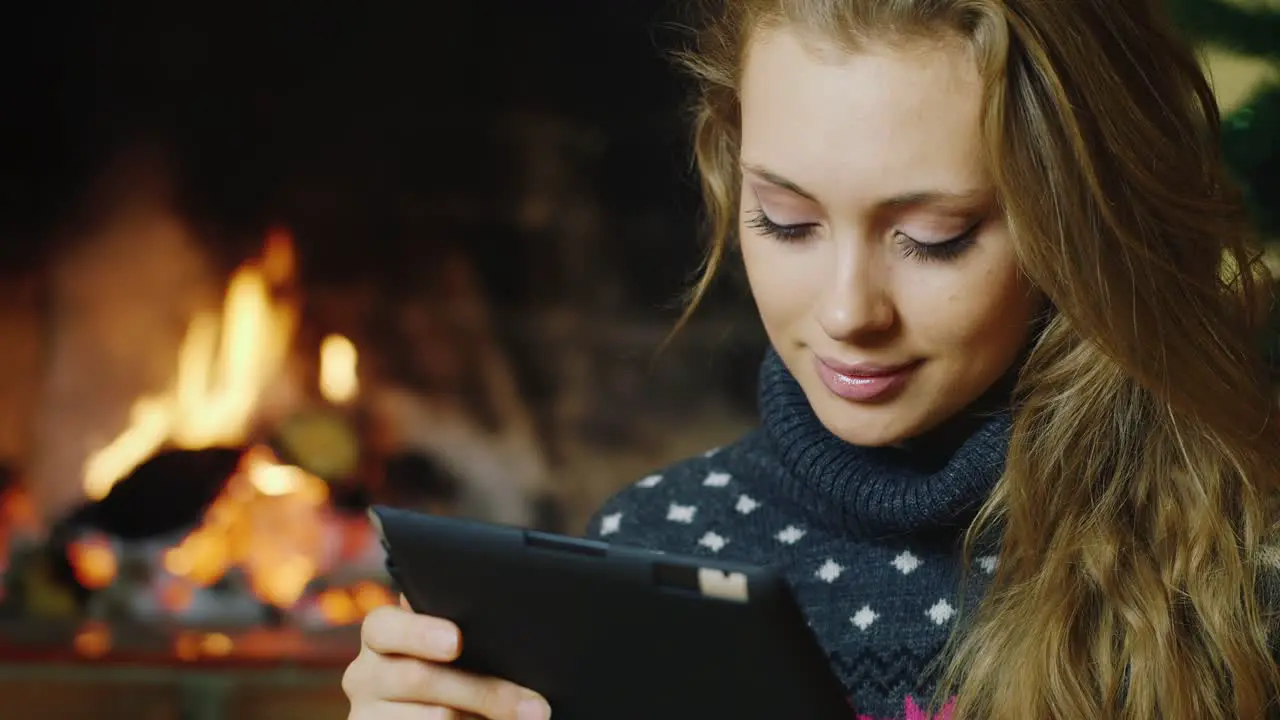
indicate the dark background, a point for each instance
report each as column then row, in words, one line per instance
column 394, row 137
column 386, row 101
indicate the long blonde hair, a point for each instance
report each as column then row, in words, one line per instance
column 1140, row 488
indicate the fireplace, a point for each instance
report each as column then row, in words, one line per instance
column 198, row 447
column 224, row 339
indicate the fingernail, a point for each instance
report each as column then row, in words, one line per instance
column 446, row 641
column 533, row 708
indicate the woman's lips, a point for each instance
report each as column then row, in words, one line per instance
column 864, row 382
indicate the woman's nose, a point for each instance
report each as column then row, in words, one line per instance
column 856, row 300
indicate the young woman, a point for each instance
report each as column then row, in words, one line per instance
column 1013, row 308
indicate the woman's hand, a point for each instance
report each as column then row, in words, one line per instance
column 403, row 673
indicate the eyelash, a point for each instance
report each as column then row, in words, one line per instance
column 944, row 251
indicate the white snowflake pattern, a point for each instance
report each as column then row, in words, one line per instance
column 906, row 562
column 830, row 571
column 988, row 563
column 746, row 504
column 681, row 513
column 790, row 535
column 717, row 479
column 864, row 618
column 650, row 482
column 713, row 542
column 610, row 524
column 941, row 612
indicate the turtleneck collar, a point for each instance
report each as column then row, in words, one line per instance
column 927, row 488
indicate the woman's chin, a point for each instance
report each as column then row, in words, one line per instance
column 866, row 428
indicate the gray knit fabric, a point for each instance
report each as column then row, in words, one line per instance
column 868, row 536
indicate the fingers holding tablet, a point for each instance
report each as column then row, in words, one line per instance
column 398, row 631
column 402, row 673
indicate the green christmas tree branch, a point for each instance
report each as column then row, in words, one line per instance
column 1248, row 30
column 1251, row 143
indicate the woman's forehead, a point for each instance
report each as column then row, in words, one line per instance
column 884, row 122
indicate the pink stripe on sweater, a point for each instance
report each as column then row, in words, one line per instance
column 911, row 711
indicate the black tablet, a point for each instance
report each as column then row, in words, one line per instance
column 613, row 633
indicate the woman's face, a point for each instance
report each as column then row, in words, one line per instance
column 877, row 254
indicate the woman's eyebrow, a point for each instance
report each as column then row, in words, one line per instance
column 907, row 199
column 775, row 179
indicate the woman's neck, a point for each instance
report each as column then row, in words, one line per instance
column 933, row 483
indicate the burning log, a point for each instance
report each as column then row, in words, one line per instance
column 221, row 488
column 86, row 553
column 227, row 363
column 258, row 543
column 182, row 523
column 166, row 494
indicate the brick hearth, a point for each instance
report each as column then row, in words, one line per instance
column 153, row 675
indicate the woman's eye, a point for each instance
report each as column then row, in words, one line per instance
column 786, row 233
column 948, row 249
column 945, row 250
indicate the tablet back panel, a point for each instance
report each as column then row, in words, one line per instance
column 614, row 633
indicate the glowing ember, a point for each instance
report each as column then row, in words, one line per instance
column 371, row 596
column 337, row 607
column 93, row 561
column 92, row 640
column 191, row 646
column 281, row 583
column 187, row 646
column 278, row 480
column 346, row 606
column 202, row 558
column 270, row 521
column 225, row 364
column 216, row 645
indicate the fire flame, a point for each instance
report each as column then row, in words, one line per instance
column 272, row 521
column 338, row 381
column 225, row 363
column 339, row 606
column 93, row 561
column 93, row 640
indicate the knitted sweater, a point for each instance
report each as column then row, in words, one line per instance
column 868, row 536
